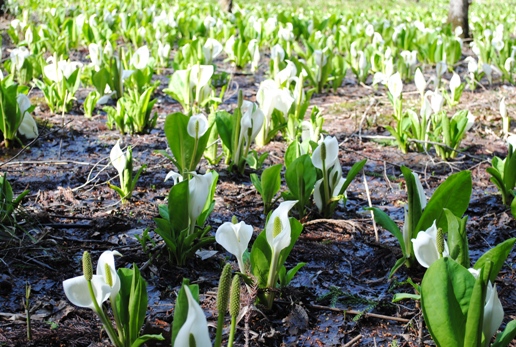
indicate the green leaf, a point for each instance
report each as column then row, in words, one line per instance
column 453, row 194
column 457, row 238
column 300, row 177
column 178, row 139
column 225, row 127
column 137, row 304
column 497, row 180
column 178, row 206
column 387, row 223
column 355, row 169
column 100, row 79
column 445, row 293
column 475, row 315
column 257, row 183
column 397, row 265
column 144, row 338
column 261, row 255
column 504, row 338
column 271, row 182
column 403, row 296
column 292, row 272
column 497, row 255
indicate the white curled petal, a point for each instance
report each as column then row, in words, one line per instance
column 195, row 325
column 197, row 125
column 107, row 258
column 425, row 249
column 77, row 292
column 493, row 312
column 176, row 178
column 282, row 240
column 332, row 152
column 118, row 159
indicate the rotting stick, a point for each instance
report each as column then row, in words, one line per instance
column 370, row 205
column 352, row 341
column 355, row 312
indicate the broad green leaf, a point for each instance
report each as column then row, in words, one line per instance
column 271, row 182
column 178, row 206
column 453, row 194
column 445, row 293
column 225, row 127
column 497, row 255
column 300, row 177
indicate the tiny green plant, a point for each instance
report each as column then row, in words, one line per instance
column 133, row 112
column 238, row 131
column 331, row 187
column 61, row 80
column 502, row 172
column 268, row 185
column 123, row 163
column 8, row 202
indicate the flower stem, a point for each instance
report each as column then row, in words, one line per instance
column 232, row 331
column 271, row 279
column 105, row 322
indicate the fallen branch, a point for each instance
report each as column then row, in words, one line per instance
column 355, row 312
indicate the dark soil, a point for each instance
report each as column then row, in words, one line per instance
column 71, row 209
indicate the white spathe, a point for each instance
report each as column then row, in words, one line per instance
column 395, row 85
column 235, row 239
column 281, row 240
column 118, row 159
column 141, row 58
column 425, row 247
column 28, row 126
column 195, row 325
column 199, row 189
column 197, row 125
column 332, row 152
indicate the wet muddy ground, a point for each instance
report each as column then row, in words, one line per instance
column 342, row 297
